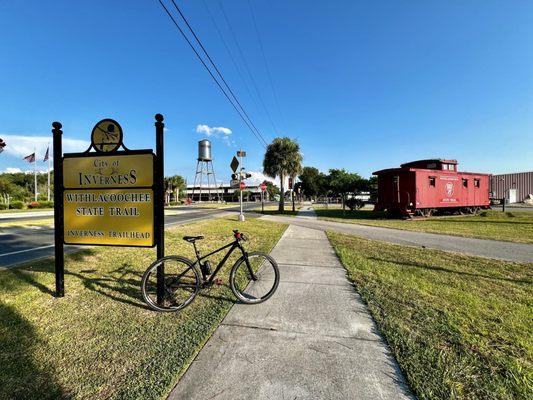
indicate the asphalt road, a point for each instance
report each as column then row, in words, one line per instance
column 21, row 245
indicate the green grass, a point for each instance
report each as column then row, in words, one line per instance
column 25, row 223
column 515, row 226
column 25, row 210
column 272, row 209
column 101, row 341
column 460, row 327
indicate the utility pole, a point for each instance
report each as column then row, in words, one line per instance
column 241, row 154
column 35, row 171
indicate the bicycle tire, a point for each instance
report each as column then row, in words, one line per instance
column 248, row 298
column 152, row 271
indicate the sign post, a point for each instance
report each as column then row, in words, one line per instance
column 108, row 197
column 241, row 154
column 160, row 215
column 58, row 210
column 263, row 189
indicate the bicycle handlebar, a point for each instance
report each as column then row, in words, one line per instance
column 239, row 235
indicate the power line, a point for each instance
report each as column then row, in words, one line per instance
column 216, row 69
column 247, row 67
column 249, row 123
column 230, row 53
column 266, row 64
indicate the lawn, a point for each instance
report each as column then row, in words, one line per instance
column 515, row 226
column 459, row 326
column 272, row 209
column 25, row 210
column 101, row 341
column 26, row 223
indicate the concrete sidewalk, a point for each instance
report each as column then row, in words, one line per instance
column 314, row 339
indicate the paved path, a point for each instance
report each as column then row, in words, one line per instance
column 314, row 339
column 509, row 251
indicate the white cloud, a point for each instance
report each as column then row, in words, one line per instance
column 19, row 146
column 258, row 177
column 11, row 170
column 216, row 131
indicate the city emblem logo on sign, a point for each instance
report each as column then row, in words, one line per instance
column 449, row 189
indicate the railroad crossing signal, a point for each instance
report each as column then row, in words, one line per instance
column 2, row 145
column 263, row 187
column 234, row 164
column 290, row 183
column 241, row 153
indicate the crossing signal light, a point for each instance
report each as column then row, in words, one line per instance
column 247, row 175
column 2, row 145
column 234, row 177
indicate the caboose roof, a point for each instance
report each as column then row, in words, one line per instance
column 429, row 160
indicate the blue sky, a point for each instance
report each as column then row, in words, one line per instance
column 361, row 85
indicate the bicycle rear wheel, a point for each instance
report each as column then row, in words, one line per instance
column 181, row 284
column 259, row 287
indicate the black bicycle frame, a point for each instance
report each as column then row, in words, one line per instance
column 234, row 245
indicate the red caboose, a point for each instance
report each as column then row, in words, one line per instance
column 428, row 186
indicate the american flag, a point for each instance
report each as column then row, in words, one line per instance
column 47, row 155
column 30, row 158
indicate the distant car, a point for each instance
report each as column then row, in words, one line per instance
column 427, row 186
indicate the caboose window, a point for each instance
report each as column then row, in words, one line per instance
column 465, row 182
column 476, row 183
column 432, row 181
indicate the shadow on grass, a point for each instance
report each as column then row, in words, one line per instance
column 356, row 214
column 451, row 271
column 276, row 212
column 122, row 284
column 21, row 377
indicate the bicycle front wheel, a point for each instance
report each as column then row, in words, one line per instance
column 181, row 283
column 255, row 279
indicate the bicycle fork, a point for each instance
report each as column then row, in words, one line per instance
column 250, row 270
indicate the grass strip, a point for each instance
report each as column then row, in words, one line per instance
column 459, row 326
column 101, row 341
column 514, row 226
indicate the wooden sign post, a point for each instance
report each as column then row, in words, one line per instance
column 108, row 197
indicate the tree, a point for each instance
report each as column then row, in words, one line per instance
column 283, row 159
column 271, row 189
column 342, row 182
column 176, row 183
column 310, row 181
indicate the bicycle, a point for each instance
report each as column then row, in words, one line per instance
column 253, row 278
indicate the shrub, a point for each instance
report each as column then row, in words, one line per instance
column 41, row 204
column 354, row 204
column 16, row 205
column 3, row 206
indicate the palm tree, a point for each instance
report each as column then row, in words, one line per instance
column 283, row 159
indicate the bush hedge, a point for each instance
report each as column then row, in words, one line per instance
column 41, row 204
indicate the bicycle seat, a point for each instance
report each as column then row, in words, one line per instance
column 192, row 239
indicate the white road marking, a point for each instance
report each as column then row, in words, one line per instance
column 24, row 251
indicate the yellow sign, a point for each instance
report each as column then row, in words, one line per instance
column 114, row 217
column 113, row 171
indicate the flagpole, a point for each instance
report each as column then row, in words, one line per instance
column 48, row 156
column 35, row 171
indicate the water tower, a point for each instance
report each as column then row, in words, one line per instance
column 204, row 169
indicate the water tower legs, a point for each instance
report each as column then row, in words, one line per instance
column 205, row 168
